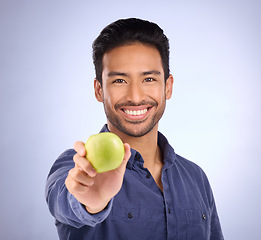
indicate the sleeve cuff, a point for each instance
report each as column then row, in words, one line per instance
column 84, row 216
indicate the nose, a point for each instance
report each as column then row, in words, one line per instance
column 135, row 93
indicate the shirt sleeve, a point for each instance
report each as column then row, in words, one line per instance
column 62, row 204
column 215, row 226
column 216, row 231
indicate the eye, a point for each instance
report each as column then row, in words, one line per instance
column 119, row 81
column 149, row 79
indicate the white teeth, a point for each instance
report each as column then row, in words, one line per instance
column 136, row 113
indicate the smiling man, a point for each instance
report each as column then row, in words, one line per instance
column 155, row 193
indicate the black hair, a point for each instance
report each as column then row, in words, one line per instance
column 127, row 31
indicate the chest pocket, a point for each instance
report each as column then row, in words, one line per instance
column 193, row 224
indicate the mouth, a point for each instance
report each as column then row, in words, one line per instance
column 136, row 113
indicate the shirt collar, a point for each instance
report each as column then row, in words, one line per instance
column 105, row 128
column 167, row 151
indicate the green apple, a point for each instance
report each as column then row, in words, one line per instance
column 105, row 151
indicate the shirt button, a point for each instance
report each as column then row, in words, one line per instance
column 169, row 210
column 204, row 217
column 130, row 215
column 148, row 175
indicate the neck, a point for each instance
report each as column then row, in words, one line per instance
column 146, row 145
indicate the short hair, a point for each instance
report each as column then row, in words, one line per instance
column 128, row 31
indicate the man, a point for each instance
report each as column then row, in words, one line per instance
column 155, row 193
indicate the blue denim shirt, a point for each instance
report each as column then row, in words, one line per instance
column 185, row 210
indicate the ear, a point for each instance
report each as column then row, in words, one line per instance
column 169, row 87
column 98, row 90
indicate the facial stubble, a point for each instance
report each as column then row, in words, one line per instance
column 116, row 122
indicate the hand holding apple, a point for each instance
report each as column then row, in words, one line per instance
column 94, row 190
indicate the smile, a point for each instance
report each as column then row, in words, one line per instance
column 136, row 113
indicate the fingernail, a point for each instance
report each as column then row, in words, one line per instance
column 92, row 173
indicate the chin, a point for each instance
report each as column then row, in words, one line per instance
column 136, row 131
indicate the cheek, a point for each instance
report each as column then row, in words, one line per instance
column 158, row 95
column 110, row 99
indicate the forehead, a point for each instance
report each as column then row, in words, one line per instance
column 133, row 57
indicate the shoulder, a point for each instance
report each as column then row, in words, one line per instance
column 188, row 164
column 193, row 176
column 184, row 167
column 190, row 168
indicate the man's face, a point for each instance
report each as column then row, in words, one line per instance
column 133, row 90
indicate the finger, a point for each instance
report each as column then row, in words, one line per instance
column 81, row 177
column 83, row 164
column 80, row 148
column 75, row 187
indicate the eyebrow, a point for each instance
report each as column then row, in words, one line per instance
column 152, row 72
column 112, row 74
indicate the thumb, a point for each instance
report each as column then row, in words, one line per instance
column 126, row 157
column 127, row 153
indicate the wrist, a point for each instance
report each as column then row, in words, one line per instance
column 96, row 209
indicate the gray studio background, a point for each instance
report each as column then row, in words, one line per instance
column 47, row 100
